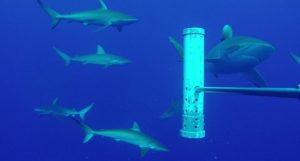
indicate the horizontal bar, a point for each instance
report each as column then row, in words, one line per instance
column 271, row 92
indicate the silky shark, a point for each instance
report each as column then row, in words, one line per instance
column 235, row 54
column 132, row 136
column 296, row 57
column 99, row 58
column 58, row 110
column 102, row 17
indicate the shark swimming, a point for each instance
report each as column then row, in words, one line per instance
column 102, row 17
column 235, row 54
column 99, row 58
column 132, row 136
column 57, row 110
column 295, row 57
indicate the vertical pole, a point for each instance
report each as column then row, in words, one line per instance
column 193, row 116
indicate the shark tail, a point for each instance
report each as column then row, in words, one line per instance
column 89, row 133
column 55, row 16
column 84, row 111
column 296, row 58
column 63, row 55
column 177, row 46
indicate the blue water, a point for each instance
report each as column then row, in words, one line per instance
column 239, row 128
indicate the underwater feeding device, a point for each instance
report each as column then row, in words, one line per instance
column 193, row 116
column 194, row 89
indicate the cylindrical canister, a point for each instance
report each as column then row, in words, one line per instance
column 193, row 113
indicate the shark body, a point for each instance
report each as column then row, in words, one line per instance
column 58, row 110
column 102, row 17
column 132, row 136
column 236, row 54
column 99, row 58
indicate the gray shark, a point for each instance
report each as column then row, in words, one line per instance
column 99, row 58
column 132, row 136
column 295, row 57
column 58, row 110
column 102, row 17
column 236, row 54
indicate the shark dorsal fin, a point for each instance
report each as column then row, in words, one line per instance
column 102, row 5
column 100, row 50
column 55, row 101
column 227, row 32
column 135, row 127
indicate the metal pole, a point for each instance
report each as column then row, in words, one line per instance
column 193, row 113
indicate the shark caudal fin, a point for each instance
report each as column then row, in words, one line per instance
column 177, row 46
column 63, row 55
column 296, row 58
column 89, row 133
column 52, row 13
column 84, row 111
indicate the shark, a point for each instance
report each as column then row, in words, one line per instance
column 295, row 57
column 102, row 17
column 132, row 136
column 99, row 58
column 235, row 54
column 57, row 110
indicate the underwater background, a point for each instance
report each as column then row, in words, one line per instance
column 238, row 128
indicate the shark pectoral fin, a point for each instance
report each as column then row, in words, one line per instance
column 103, row 27
column 255, row 77
column 144, row 151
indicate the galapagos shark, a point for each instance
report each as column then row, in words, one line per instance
column 57, row 110
column 235, row 54
column 102, row 17
column 132, row 136
column 99, row 58
column 295, row 57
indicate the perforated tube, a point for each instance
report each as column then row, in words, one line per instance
column 193, row 113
